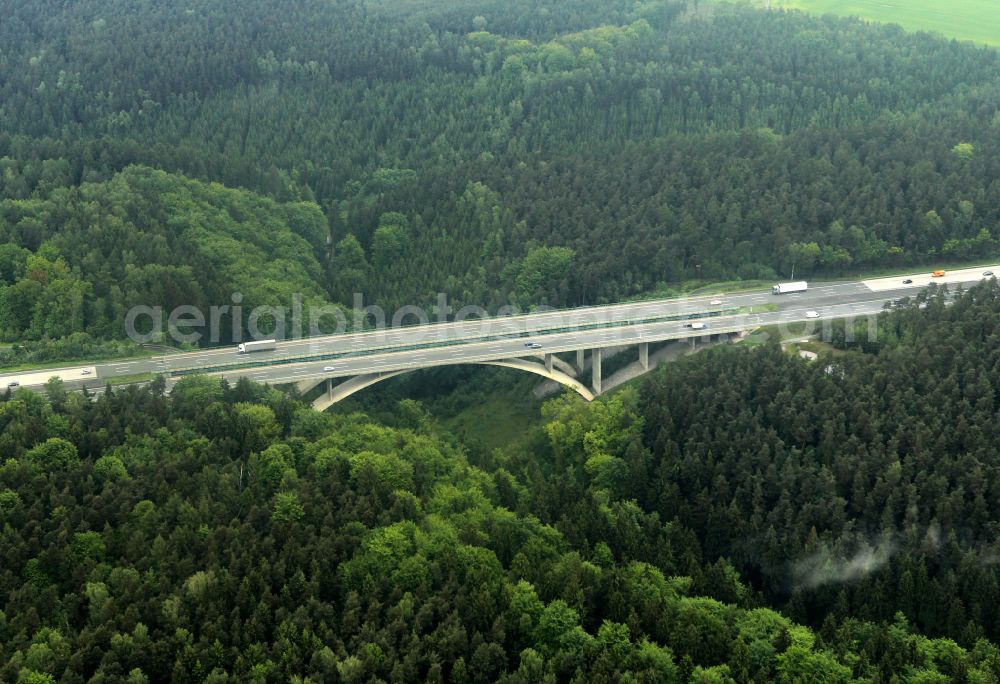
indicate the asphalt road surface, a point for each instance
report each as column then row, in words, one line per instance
column 498, row 338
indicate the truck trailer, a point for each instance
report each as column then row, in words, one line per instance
column 257, row 345
column 786, row 288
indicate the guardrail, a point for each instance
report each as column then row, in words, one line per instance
column 333, row 356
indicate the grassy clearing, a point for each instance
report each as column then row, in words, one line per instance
column 483, row 408
column 765, row 334
column 757, row 339
column 820, row 348
column 503, row 420
column 975, row 20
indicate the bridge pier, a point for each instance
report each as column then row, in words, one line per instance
column 595, row 365
column 580, row 360
column 548, row 362
column 644, row 355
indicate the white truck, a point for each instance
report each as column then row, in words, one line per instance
column 257, row 345
column 786, row 288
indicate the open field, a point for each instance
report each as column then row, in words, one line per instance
column 976, row 20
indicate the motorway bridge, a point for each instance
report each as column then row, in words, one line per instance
column 350, row 362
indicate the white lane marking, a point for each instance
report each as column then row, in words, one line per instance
column 27, row 378
column 572, row 339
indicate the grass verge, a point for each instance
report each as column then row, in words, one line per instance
column 944, row 265
column 129, row 379
column 45, row 365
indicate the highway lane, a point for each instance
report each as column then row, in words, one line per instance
column 818, row 295
column 920, row 280
column 30, row 378
column 477, row 352
column 435, row 332
column 498, row 350
column 477, row 329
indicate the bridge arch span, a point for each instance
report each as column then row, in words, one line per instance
column 360, row 382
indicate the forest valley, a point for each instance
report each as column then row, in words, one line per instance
column 740, row 515
column 232, row 533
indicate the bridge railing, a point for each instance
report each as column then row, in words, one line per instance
column 333, row 356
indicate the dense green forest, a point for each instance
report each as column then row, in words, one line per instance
column 232, row 533
column 740, row 516
column 80, row 258
column 527, row 152
column 862, row 485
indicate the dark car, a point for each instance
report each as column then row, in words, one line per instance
column 987, row 274
column 908, row 281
